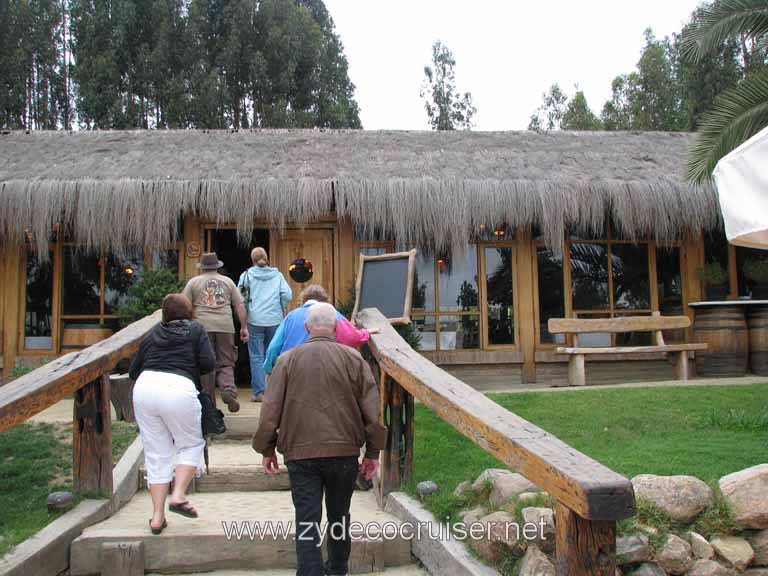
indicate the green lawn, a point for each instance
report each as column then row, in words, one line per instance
column 35, row 460
column 704, row 432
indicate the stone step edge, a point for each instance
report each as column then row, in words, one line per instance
column 232, row 479
column 207, row 552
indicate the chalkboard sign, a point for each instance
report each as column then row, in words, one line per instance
column 386, row 282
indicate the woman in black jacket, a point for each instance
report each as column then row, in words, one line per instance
column 167, row 371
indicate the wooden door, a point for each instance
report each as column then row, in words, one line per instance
column 313, row 245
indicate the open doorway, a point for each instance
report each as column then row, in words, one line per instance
column 237, row 259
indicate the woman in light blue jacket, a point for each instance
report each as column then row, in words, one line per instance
column 268, row 297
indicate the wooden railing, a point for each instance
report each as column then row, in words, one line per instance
column 590, row 497
column 86, row 375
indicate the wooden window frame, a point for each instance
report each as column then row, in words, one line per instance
column 55, row 303
column 483, row 290
column 482, row 311
column 611, row 311
column 387, row 245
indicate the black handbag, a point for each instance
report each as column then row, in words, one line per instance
column 212, row 418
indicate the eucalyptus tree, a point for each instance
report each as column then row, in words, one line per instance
column 447, row 108
column 559, row 112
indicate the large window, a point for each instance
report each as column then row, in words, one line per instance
column 94, row 286
column 608, row 279
column 445, row 301
column 716, row 272
column 38, row 304
column 752, row 269
column 606, row 276
column 500, row 313
column 549, row 269
column 669, row 285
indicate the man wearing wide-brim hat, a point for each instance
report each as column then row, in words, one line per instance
column 214, row 296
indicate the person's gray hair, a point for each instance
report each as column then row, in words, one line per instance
column 321, row 317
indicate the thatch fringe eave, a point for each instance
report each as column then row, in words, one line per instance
column 441, row 214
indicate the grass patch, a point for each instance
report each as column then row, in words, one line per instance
column 705, row 432
column 35, row 460
column 717, row 519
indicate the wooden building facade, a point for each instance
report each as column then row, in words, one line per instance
column 512, row 229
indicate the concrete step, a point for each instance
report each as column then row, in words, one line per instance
column 235, row 467
column 200, row 544
column 240, row 426
column 411, row 570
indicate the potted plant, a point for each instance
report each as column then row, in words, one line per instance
column 756, row 271
column 715, row 280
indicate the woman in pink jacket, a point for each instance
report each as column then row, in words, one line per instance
column 292, row 332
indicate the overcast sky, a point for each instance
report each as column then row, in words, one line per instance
column 507, row 52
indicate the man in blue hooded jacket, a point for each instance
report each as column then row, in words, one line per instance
column 268, row 297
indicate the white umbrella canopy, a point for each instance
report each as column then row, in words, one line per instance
column 742, row 185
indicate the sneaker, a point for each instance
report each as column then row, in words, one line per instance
column 257, row 397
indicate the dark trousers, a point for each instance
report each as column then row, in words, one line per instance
column 223, row 377
column 309, row 479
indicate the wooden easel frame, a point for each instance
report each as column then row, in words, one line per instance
column 411, row 256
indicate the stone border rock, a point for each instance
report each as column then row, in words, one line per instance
column 47, row 552
column 438, row 556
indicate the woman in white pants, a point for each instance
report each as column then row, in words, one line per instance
column 167, row 371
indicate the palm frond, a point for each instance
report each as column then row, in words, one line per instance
column 736, row 115
column 723, row 19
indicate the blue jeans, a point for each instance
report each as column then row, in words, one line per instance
column 259, row 338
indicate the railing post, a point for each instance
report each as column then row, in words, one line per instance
column 393, row 419
column 397, row 407
column 92, row 441
column 584, row 547
column 408, row 431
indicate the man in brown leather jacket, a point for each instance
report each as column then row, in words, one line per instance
column 320, row 408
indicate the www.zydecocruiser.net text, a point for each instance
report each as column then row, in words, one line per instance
column 388, row 531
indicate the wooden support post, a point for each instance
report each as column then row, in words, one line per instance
column 584, row 547
column 408, row 432
column 121, row 393
column 383, row 397
column 391, row 475
column 576, row 370
column 681, row 366
column 123, row 559
column 92, row 442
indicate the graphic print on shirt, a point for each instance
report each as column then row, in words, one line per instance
column 213, row 295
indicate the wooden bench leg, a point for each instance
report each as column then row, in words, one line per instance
column 681, row 366
column 576, row 372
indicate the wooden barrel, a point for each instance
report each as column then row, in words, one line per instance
column 724, row 330
column 757, row 322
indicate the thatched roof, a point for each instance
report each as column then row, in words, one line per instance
column 112, row 189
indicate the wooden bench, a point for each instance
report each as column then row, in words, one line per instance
column 655, row 324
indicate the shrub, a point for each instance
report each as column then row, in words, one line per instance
column 714, row 274
column 756, row 269
column 146, row 295
column 20, row 370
